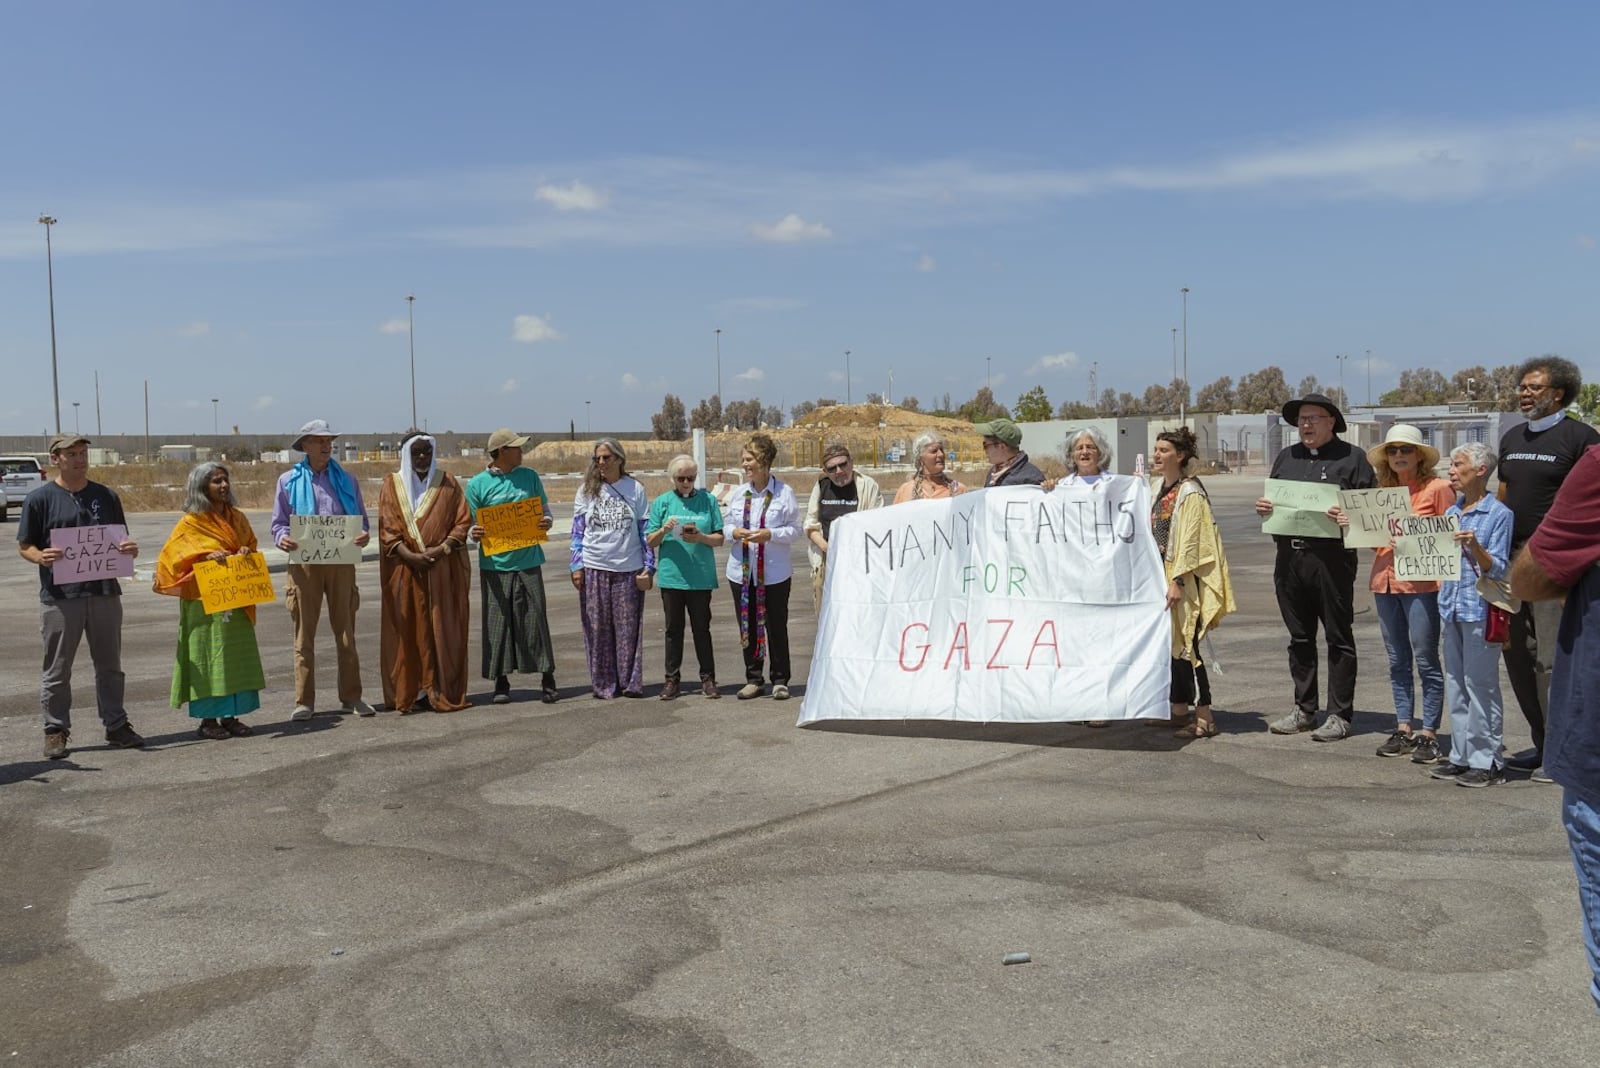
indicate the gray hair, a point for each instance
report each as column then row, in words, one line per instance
column 591, row 476
column 1478, row 455
column 196, row 500
column 679, row 462
column 923, row 440
column 1100, row 442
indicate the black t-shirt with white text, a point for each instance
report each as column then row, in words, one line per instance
column 834, row 502
column 50, row 506
column 1533, row 464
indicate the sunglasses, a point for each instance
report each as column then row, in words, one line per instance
column 1399, row 450
column 834, row 469
column 684, row 478
column 1530, row 388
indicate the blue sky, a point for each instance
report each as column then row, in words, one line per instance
column 579, row 195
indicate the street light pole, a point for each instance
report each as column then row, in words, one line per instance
column 77, row 427
column 50, row 272
column 214, row 430
column 1369, row 378
column 411, row 331
column 988, row 376
column 719, row 368
column 1343, row 401
column 1183, row 397
column 847, row 376
column 1174, row 354
column 588, row 419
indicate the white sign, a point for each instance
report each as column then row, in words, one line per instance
column 325, row 539
column 1005, row 604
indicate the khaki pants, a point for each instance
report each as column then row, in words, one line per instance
column 818, row 575
column 308, row 586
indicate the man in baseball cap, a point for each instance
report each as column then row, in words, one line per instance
column 1002, row 447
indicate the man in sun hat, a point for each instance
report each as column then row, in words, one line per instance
column 516, row 626
column 317, row 485
column 69, row 612
column 1002, row 447
column 1315, row 578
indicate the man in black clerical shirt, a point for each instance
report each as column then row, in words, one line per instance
column 1315, row 577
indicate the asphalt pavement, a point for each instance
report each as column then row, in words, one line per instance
column 702, row 883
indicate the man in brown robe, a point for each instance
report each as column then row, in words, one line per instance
column 422, row 524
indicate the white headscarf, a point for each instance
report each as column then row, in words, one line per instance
column 417, row 486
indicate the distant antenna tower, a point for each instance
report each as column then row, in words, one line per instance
column 1094, row 382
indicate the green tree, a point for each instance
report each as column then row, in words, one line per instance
column 1263, row 391
column 799, row 412
column 982, row 407
column 744, row 415
column 1418, row 386
column 1033, row 406
column 671, row 423
column 1075, row 410
column 707, row 415
column 772, row 415
column 1217, row 397
column 910, row 404
column 1588, row 402
column 1108, row 406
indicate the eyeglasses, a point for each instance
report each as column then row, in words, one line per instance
column 1527, row 388
column 1399, row 450
column 990, row 443
column 834, row 469
column 1315, row 419
column 684, row 478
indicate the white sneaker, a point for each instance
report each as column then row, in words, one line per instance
column 360, row 708
column 780, row 692
column 302, row 712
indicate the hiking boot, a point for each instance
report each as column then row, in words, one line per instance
column 749, row 690
column 547, row 688
column 1480, row 777
column 124, row 737
column 671, row 689
column 1426, row 751
column 708, row 688
column 1293, row 723
column 302, row 713
column 780, row 692
column 360, row 708
column 502, row 690
column 1333, row 728
column 1399, row 744
column 55, row 744
column 1446, row 770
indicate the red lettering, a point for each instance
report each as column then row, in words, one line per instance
column 925, row 647
column 959, row 641
column 1039, row 642
column 1001, row 644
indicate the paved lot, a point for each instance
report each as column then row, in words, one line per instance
column 697, row 883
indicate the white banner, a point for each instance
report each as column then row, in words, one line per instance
column 1007, row 604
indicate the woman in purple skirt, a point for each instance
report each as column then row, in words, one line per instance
column 612, row 567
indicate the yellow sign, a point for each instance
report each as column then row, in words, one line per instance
column 234, row 583
column 1425, row 548
column 511, row 526
column 1370, row 511
column 1300, row 509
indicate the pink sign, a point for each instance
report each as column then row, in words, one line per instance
column 90, row 554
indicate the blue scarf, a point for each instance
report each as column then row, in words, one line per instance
column 298, row 488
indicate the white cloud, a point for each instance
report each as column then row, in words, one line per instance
column 791, row 228
column 1061, row 361
column 630, row 380
column 196, row 329
column 754, row 374
column 263, row 402
column 394, row 326
column 574, row 197
column 532, row 329
column 509, row 386
column 927, row 264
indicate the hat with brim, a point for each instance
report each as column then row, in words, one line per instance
column 1404, row 434
column 66, row 441
column 317, row 428
column 1001, row 430
column 503, row 437
column 1291, row 411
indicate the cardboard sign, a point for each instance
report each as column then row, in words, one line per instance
column 1425, row 549
column 234, row 583
column 91, row 553
column 1003, row 604
column 325, row 539
column 1300, row 509
column 1370, row 511
column 511, row 526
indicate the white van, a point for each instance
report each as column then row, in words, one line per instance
column 19, row 475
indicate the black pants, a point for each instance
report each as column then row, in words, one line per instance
column 1529, row 656
column 697, row 605
column 777, row 634
column 1317, row 585
column 1190, row 686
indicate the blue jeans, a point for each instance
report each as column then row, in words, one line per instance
column 1582, row 821
column 1477, row 714
column 1410, row 626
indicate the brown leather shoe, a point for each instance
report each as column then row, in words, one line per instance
column 671, row 689
column 708, row 687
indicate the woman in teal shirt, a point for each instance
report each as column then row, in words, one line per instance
column 685, row 528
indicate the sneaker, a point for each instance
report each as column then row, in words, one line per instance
column 360, row 708
column 1478, row 777
column 1427, row 751
column 302, row 713
column 1525, row 761
column 502, row 690
column 547, row 688
column 1293, row 723
column 1399, row 744
column 671, row 689
column 1446, row 770
column 708, row 688
column 124, row 737
column 1538, row 775
column 780, row 692
column 749, row 690
column 1333, row 728
column 55, row 744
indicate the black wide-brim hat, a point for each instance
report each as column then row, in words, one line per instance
column 1291, row 411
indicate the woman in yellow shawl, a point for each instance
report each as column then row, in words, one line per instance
column 218, row 667
column 1199, row 592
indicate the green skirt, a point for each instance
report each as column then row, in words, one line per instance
column 218, row 667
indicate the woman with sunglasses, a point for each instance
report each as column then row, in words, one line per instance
column 685, row 528
column 762, row 521
column 612, row 566
column 1408, row 612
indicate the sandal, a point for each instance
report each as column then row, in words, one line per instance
column 1200, row 728
column 212, row 730
column 235, row 728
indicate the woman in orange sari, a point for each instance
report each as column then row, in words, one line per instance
column 218, row 667
column 423, row 521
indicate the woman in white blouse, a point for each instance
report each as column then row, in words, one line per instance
column 761, row 521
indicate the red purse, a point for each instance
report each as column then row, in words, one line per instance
column 1496, row 625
